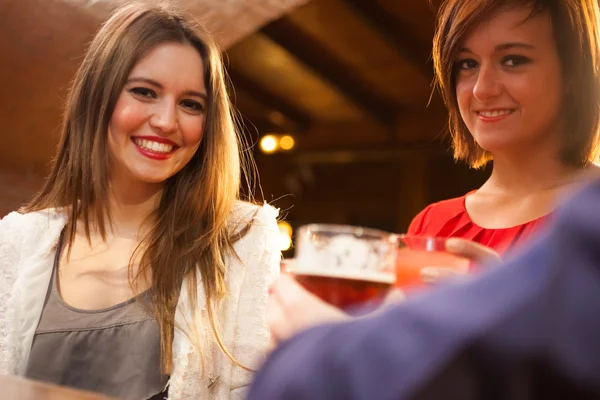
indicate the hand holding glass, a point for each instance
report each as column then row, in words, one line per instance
column 417, row 254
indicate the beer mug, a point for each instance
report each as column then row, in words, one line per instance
column 415, row 253
column 344, row 265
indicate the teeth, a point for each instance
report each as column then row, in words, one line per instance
column 492, row 114
column 153, row 146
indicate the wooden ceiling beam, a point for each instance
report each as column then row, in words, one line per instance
column 314, row 55
column 396, row 34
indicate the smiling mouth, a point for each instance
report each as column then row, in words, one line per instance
column 494, row 114
column 155, row 147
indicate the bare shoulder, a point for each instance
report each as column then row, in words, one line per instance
column 480, row 198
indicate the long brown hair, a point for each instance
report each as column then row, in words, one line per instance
column 190, row 236
column 575, row 24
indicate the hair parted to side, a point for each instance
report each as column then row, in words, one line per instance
column 576, row 31
column 190, row 235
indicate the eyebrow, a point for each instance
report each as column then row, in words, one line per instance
column 504, row 46
column 158, row 85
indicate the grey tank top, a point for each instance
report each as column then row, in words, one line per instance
column 114, row 351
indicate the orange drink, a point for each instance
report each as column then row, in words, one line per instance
column 416, row 253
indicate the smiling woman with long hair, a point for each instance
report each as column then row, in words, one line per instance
column 521, row 80
column 136, row 267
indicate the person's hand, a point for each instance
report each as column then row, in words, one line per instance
column 291, row 309
column 394, row 296
column 478, row 254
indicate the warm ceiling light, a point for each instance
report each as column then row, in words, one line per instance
column 286, row 142
column 285, row 227
column 285, row 242
column 285, row 235
column 268, row 144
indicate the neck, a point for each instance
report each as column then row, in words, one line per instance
column 527, row 171
column 131, row 203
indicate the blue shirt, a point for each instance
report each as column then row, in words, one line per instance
column 527, row 330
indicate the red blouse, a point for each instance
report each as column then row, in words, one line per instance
column 449, row 218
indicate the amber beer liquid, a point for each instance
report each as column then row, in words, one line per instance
column 345, row 290
column 345, row 265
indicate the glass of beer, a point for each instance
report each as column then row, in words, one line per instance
column 344, row 265
column 416, row 253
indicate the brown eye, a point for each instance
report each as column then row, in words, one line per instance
column 514, row 61
column 192, row 105
column 466, row 64
column 143, row 92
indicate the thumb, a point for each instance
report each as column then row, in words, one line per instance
column 434, row 275
column 475, row 252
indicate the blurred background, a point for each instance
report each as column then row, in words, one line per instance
column 335, row 96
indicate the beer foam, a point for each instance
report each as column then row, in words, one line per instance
column 371, row 276
column 345, row 252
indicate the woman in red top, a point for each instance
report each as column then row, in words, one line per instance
column 521, row 85
column 450, row 219
column 521, row 80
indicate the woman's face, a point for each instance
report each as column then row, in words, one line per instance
column 158, row 121
column 509, row 82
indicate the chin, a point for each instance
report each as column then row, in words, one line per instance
column 154, row 180
column 495, row 143
column 151, row 177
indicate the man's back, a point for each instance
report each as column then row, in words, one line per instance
column 528, row 330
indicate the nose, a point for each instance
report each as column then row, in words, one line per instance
column 164, row 118
column 488, row 84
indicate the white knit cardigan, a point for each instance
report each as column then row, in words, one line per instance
column 27, row 246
